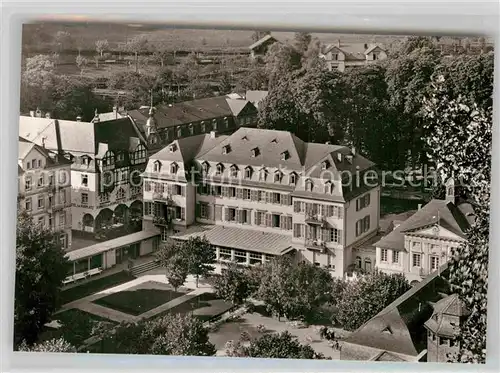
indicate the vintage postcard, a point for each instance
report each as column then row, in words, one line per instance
column 253, row 193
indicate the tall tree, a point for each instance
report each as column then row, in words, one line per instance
column 100, row 47
column 460, row 144
column 364, row 298
column 311, row 57
column 301, row 41
column 41, row 267
column 137, row 45
column 257, row 35
column 51, row 345
column 233, row 284
column 281, row 60
column 200, row 256
column 62, row 41
column 168, row 335
column 172, row 259
column 81, row 62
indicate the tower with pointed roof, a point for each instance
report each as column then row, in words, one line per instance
column 151, row 122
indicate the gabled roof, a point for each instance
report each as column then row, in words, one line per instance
column 267, row 38
column 52, row 158
column 452, row 306
column 404, row 318
column 450, row 217
column 256, row 96
column 373, row 47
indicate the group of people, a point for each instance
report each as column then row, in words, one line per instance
column 329, row 334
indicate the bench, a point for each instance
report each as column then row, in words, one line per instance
column 68, row 280
column 94, row 271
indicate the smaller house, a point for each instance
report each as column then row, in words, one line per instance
column 256, row 97
column 261, row 46
column 341, row 56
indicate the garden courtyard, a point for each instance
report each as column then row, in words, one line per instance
column 129, row 299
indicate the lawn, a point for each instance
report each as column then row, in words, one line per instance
column 95, row 286
column 205, row 306
column 140, row 299
column 76, row 326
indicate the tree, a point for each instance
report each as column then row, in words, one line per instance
column 173, row 334
column 137, row 45
column 62, row 41
column 101, row 46
column 51, row 345
column 225, row 83
column 176, row 268
column 460, row 144
column 278, row 346
column 364, row 298
column 39, row 72
column 281, row 60
column 37, row 290
column 233, row 284
column 254, row 79
column 311, row 57
column 200, row 256
column 294, row 291
column 81, row 62
column 301, row 41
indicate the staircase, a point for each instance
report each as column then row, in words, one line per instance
column 144, row 267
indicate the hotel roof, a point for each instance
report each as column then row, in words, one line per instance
column 240, row 238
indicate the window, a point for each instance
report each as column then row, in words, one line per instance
column 363, row 202
column 232, row 192
column 41, row 181
column 231, row 214
column 203, row 210
column 120, row 194
column 120, row 157
column 248, row 173
column 41, row 221
column 309, row 186
column 297, row 230
column 335, row 56
column 134, row 191
column 416, row 260
column 275, row 222
column 164, row 234
column 62, row 177
column 395, row 256
column 374, row 56
column 28, row 204
column 178, row 190
column 214, row 124
column 217, row 190
column 104, row 197
column 62, row 219
column 157, row 166
column 85, row 160
column 263, row 175
column 358, row 262
column 245, row 216
column 383, row 255
column 325, row 165
column 85, row 180
column 206, row 167
column 39, row 163
column 330, row 259
column 277, row 198
column 363, row 225
column 246, row 193
column 203, row 127
column 41, row 203
column 293, row 178
column 443, row 341
column 329, row 187
column 416, row 246
column 277, row 177
column 334, row 235
column 63, row 240
column 226, row 149
column 27, row 183
column 28, row 165
column 255, row 152
column 285, row 155
column 85, row 199
column 173, row 168
column 434, row 263
column 260, row 218
column 234, row 171
column 220, row 169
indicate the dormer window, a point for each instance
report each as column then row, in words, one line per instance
column 325, row 165
column 274, row 141
column 179, row 132
column 255, row 152
column 205, row 167
column 248, row 172
column 120, row 157
column 285, row 155
column 85, row 160
column 203, row 127
column 174, row 168
column 309, row 185
column 220, row 169
column 244, row 138
column 263, row 175
column 172, row 148
column 349, row 158
column 214, row 124
column 329, row 187
column 234, row 171
column 277, row 176
column 226, row 122
column 157, row 166
column 293, row 178
column 226, row 149
column 339, row 157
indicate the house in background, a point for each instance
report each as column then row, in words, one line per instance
column 256, row 97
column 165, row 123
column 341, row 56
column 263, row 193
column 107, row 158
column 423, row 242
column 421, row 325
column 44, row 188
column 261, row 46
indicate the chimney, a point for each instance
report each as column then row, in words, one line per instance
column 353, row 150
column 38, row 113
column 47, row 115
column 78, row 118
column 213, row 135
column 419, row 206
column 43, row 141
column 338, row 43
column 32, row 113
column 366, row 46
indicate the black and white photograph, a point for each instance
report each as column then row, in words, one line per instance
column 253, row 193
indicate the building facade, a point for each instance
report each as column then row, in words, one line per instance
column 44, row 188
column 260, row 193
column 106, row 159
column 339, row 56
column 421, row 244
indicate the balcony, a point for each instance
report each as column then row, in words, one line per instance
column 161, row 197
column 315, row 219
column 315, row 244
column 161, row 221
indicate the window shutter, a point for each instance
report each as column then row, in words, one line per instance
column 183, row 213
column 268, row 197
column 183, row 190
column 357, row 204
column 367, row 203
column 239, row 193
column 296, row 230
column 323, row 210
column 268, row 220
column 218, row 212
column 340, row 212
column 226, row 214
column 289, row 222
column 253, row 195
column 340, row 237
column 358, row 224
column 325, row 235
column 225, row 191
column 367, row 222
column 210, row 212
column 282, row 222
column 256, row 218
column 284, row 199
column 240, row 216
column 169, row 189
